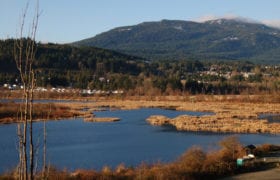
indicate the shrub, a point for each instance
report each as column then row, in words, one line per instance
column 192, row 160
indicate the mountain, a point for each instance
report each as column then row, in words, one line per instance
column 221, row 39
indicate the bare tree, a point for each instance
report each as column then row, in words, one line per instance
column 24, row 55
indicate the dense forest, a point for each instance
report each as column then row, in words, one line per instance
column 99, row 69
column 64, row 65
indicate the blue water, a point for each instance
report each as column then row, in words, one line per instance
column 76, row 144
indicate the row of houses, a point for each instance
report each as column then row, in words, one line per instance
column 100, row 92
column 228, row 75
column 65, row 90
column 12, row 86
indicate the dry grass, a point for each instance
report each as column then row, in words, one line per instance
column 231, row 113
column 238, row 117
column 10, row 112
column 255, row 98
column 103, row 119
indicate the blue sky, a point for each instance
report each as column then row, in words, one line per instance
column 64, row 21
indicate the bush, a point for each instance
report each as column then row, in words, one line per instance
column 192, row 160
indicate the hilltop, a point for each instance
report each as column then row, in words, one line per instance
column 221, row 39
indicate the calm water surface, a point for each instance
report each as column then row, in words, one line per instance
column 76, row 144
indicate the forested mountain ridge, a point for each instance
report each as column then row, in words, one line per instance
column 222, row 39
column 65, row 65
column 64, row 57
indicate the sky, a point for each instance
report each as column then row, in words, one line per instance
column 65, row 21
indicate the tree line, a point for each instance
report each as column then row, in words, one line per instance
column 94, row 68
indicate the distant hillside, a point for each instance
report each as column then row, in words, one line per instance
column 64, row 65
column 221, row 39
column 65, row 57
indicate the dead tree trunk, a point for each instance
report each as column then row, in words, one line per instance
column 24, row 54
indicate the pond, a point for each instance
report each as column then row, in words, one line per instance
column 73, row 143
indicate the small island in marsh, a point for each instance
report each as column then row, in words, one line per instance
column 101, row 119
column 235, row 117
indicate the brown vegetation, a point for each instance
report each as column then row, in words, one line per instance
column 17, row 94
column 101, row 119
column 217, row 123
column 230, row 113
column 238, row 117
column 10, row 112
column 76, row 95
column 266, row 150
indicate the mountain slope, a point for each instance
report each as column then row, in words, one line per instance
column 169, row 39
column 65, row 57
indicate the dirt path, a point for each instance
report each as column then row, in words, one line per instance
column 272, row 174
